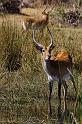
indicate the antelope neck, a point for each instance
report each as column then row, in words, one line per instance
column 47, row 65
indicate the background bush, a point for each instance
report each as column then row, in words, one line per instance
column 11, row 6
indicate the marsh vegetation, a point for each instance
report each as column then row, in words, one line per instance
column 23, row 83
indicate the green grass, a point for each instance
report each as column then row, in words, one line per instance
column 24, row 91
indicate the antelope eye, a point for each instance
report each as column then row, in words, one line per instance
column 43, row 50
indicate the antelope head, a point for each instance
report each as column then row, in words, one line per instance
column 48, row 12
column 45, row 51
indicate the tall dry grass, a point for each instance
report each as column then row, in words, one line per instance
column 23, row 87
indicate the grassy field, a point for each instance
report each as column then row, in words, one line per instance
column 23, row 83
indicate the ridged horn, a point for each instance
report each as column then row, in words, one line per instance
column 51, row 38
column 38, row 46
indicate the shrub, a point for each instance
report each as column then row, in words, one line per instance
column 12, row 6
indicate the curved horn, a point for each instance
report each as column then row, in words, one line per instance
column 51, row 38
column 38, row 46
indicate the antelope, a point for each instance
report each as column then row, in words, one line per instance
column 57, row 67
column 37, row 23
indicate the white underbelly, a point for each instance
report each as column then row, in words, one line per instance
column 53, row 78
column 66, row 77
column 56, row 78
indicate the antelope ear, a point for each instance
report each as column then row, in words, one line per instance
column 39, row 47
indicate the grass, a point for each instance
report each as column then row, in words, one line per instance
column 24, row 91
